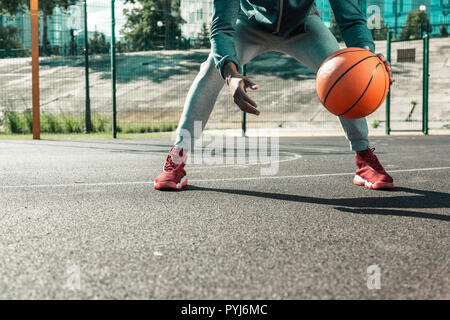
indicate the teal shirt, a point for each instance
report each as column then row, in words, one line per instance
column 283, row 18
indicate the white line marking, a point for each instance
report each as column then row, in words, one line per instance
column 295, row 157
column 316, row 175
column 209, row 180
column 276, row 177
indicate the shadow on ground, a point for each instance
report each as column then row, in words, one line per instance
column 422, row 199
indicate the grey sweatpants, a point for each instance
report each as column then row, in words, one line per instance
column 311, row 48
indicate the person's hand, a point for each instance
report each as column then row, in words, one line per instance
column 386, row 64
column 238, row 86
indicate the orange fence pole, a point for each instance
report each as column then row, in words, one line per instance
column 35, row 67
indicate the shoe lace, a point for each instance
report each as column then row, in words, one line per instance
column 169, row 166
column 372, row 159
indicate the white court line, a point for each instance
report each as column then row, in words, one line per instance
column 37, row 186
column 313, row 175
column 295, row 157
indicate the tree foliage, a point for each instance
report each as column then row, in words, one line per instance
column 203, row 41
column 443, row 32
column 416, row 23
column 12, row 6
column 153, row 24
column 98, row 44
column 9, row 38
column 122, row 46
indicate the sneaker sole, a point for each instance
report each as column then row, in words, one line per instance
column 360, row 181
column 170, row 185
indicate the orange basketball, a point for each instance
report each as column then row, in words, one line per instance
column 352, row 83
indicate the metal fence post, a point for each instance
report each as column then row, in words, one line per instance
column 388, row 98
column 34, row 5
column 88, row 123
column 244, row 114
column 113, row 68
column 426, row 57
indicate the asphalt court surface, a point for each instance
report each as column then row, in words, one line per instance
column 86, row 210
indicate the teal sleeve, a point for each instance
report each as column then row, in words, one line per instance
column 352, row 24
column 225, row 14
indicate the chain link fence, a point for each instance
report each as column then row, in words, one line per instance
column 160, row 45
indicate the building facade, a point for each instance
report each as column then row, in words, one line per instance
column 59, row 27
column 394, row 12
column 195, row 13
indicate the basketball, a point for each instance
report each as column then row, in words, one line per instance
column 352, row 83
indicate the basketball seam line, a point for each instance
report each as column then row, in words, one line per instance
column 362, row 95
column 332, row 57
column 345, row 53
column 384, row 91
column 342, row 75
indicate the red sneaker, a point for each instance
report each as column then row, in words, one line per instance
column 371, row 173
column 173, row 175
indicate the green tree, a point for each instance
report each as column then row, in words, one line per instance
column 416, row 23
column 443, row 32
column 46, row 8
column 122, row 46
column 153, row 24
column 12, row 6
column 334, row 28
column 203, row 40
column 9, row 38
column 98, row 44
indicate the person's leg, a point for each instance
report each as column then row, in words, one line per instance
column 198, row 106
column 312, row 48
column 203, row 93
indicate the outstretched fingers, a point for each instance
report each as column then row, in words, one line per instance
column 245, row 103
